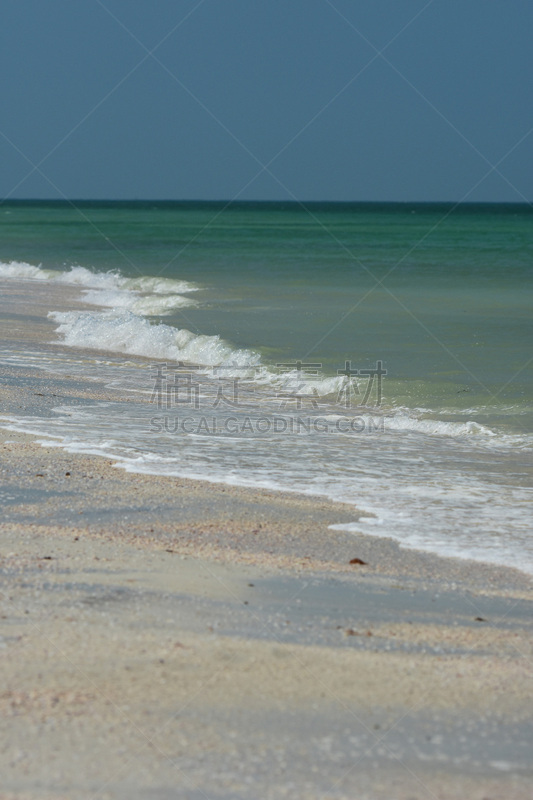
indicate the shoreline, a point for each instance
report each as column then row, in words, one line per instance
column 231, row 524
column 193, row 639
column 186, row 645
column 29, row 326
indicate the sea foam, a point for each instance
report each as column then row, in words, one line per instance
column 126, row 332
column 123, row 331
column 146, row 295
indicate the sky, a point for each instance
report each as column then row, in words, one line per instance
column 337, row 100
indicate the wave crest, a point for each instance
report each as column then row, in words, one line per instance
column 126, row 332
column 146, row 295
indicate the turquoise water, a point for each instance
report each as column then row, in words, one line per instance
column 439, row 297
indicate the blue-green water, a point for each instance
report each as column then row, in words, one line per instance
column 439, row 296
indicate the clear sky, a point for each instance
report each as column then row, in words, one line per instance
column 267, row 99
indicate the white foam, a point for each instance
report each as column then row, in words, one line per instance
column 157, row 285
column 146, row 306
column 401, row 421
column 146, row 295
column 20, row 270
column 420, row 490
column 125, row 332
column 294, row 383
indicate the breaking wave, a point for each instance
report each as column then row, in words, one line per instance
column 145, row 295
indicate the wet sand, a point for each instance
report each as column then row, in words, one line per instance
column 164, row 638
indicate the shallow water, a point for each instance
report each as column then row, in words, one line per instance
column 424, row 310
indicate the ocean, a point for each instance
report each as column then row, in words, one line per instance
column 376, row 354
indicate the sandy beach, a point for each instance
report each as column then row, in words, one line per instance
column 164, row 638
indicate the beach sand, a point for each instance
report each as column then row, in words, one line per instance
column 165, row 638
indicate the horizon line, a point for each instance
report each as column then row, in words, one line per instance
column 222, row 201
